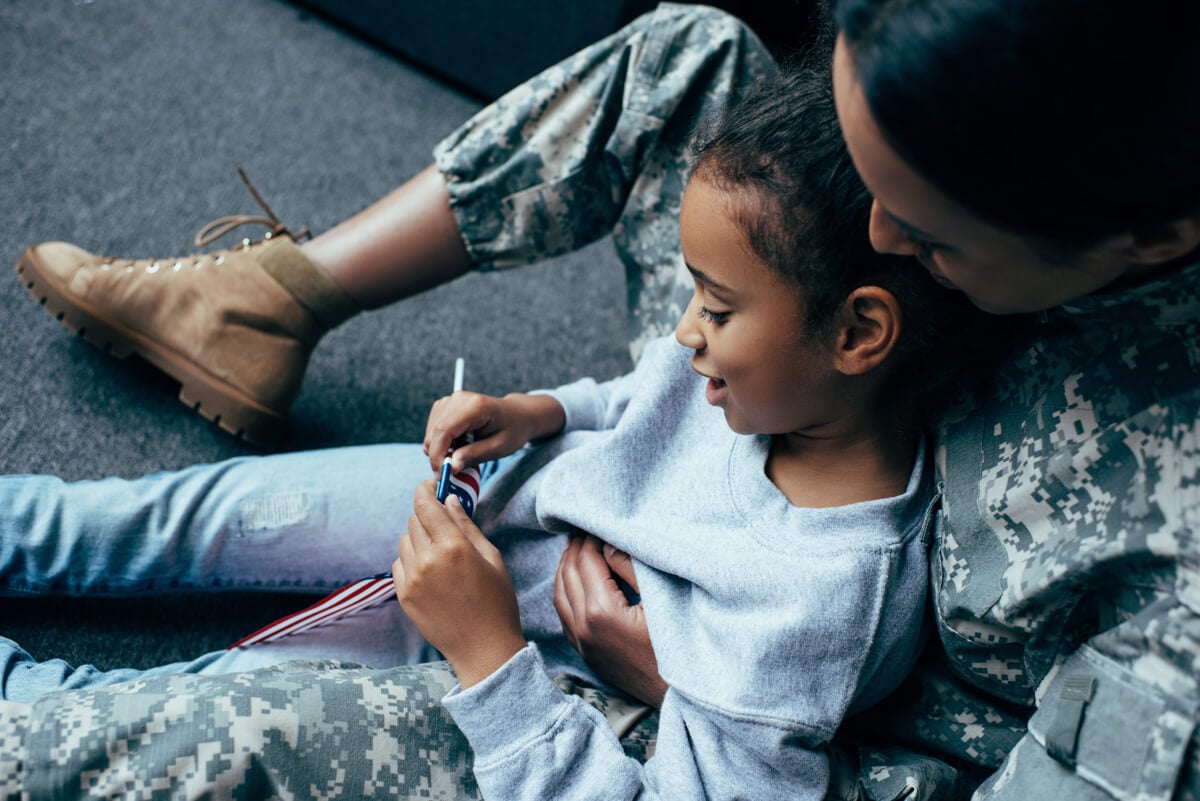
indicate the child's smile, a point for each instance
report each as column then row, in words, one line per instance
column 714, row 391
column 744, row 324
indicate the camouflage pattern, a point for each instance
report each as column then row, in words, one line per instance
column 599, row 145
column 1067, row 551
column 300, row 730
column 635, row 723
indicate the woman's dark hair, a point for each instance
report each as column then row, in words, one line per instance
column 1069, row 120
column 780, row 147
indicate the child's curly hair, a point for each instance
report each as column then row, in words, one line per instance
column 780, row 147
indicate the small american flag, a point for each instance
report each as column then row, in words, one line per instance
column 358, row 595
column 466, row 486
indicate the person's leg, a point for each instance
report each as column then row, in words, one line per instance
column 378, row 637
column 601, row 144
column 315, row 520
column 403, row 244
column 596, row 144
column 306, row 521
column 298, row 729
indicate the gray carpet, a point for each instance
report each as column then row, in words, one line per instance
column 121, row 125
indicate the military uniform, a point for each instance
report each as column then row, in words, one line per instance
column 1064, row 564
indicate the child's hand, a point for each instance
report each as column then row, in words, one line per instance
column 452, row 584
column 500, row 426
column 608, row 632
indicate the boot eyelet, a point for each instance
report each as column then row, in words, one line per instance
column 246, row 243
column 177, row 266
column 106, row 267
column 219, row 260
column 153, row 268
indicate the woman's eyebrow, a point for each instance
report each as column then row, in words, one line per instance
column 909, row 228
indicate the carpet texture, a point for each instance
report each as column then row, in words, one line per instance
column 122, row 123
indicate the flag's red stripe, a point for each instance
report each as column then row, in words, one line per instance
column 347, row 599
column 338, row 604
column 470, row 479
column 367, row 597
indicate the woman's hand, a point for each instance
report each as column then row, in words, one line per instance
column 452, row 584
column 609, row 632
column 499, row 426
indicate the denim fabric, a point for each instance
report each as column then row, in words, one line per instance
column 304, row 522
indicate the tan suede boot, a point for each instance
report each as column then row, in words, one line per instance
column 234, row 327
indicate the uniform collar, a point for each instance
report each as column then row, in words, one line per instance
column 1170, row 299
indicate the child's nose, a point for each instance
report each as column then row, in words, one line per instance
column 687, row 330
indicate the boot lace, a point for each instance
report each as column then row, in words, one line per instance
column 223, row 225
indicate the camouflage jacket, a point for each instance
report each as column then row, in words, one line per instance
column 1064, row 567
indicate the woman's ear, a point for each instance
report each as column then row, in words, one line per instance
column 868, row 330
column 1159, row 244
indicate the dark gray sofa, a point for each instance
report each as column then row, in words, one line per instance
column 486, row 47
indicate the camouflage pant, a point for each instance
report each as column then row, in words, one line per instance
column 295, row 731
column 598, row 145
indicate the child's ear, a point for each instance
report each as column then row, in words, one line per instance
column 868, row 330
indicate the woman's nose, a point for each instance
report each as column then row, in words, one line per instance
column 886, row 236
column 687, row 330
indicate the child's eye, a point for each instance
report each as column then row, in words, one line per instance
column 717, row 318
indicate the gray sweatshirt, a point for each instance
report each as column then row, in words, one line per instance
column 769, row 622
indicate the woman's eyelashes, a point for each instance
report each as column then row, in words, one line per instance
column 928, row 248
column 715, row 317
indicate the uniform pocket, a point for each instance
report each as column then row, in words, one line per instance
column 1112, row 729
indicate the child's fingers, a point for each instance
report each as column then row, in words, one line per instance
column 452, row 418
column 432, row 425
column 425, row 505
column 594, row 570
column 483, row 449
column 565, row 585
column 405, row 555
column 432, row 517
column 620, row 563
column 458, row 515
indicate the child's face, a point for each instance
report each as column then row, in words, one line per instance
column 744, row 323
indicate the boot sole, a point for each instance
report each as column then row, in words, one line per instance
column 209, row 396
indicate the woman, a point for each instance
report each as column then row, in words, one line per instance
column 1046, row 159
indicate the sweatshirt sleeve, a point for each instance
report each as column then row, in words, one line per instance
column 532, row 741
column 597, row 406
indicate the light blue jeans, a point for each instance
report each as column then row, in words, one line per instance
column 304, row 522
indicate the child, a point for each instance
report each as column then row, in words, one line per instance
column 765, row 471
